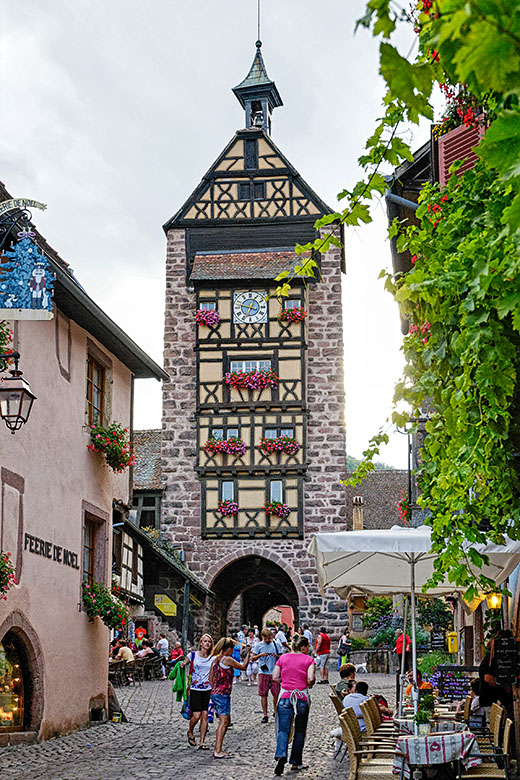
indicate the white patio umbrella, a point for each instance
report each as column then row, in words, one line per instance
column 395, row 560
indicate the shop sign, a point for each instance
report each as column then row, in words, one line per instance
column 194, row 600
column 164, row 604
column 53, row 552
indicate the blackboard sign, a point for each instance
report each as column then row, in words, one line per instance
column 438, row 640
column 454, row 681
column 506, row 660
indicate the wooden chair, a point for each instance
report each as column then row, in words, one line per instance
column 495, row 764
column 338, row 704
column 366, row 763
column 362, row 737
column 129, row 672
column 374, row 730
column 115, row 672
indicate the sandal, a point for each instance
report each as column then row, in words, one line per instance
column 224, row 755
column 203, row 747
column 191, row 741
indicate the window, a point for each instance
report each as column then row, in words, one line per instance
column 227, row 491
column 287, row 432
column 274, row 433
column 232, row 432
column 208, row 305
column 95, row 391
column 259, row 190
column 292, row 303
column 135, row 561
column 276, row 490
column 250, row 365
column 224, row 433
column 148, row 506
column 250, row 154
column 244, row 190
column 12, row 683
column 89, row 538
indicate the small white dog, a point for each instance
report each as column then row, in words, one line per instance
column 361, row 668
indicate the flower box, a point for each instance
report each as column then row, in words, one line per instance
column 227, row 508
column 7, row 578
column 209, row 317
column 251, row 380
column 231, row 446
column 112, row 441
column 101, row 603
column 277, row 508
column 292, row 315
column 285, row 444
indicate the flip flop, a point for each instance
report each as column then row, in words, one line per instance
column 226, row 755
column 191, row 741
column 203, row 747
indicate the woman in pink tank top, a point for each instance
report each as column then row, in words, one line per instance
column 221, row 681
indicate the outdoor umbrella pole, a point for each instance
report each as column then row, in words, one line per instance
column 403, row 659
column 415, row 688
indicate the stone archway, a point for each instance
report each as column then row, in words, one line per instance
column 260, row 582
column 17, row 627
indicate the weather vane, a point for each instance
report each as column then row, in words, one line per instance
column 258, row 6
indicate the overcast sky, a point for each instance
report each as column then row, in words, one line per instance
column 112, row 110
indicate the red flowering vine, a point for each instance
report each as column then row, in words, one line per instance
column 101, row 602
column 227, row 508
column 7, row 574
column 292, row 315
column 251, row 380
column 112, row 441
column 232, row 446
column 286, row 444
column 423, row 331
column 209, row 317
column 277, row 508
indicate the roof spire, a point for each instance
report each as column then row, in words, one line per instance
column 257, row 94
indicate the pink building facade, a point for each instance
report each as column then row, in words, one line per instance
column 56, row 506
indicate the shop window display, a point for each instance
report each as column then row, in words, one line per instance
column 11, row 687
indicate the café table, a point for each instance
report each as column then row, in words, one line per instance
column 438, row 750
column 406, row 725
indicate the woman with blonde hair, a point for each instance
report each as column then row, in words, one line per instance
column 199, row 661
column 221, row 679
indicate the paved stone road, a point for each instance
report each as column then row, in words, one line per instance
column 153, row 744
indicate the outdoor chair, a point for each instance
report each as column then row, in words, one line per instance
column 338, row 704
column 489, row 738
column 149, row 672
column 495, row 764
column 139, row 667
column 366, row 762
column 374, row 727
column 115, row 672
column 362, row 737
column 129, row 672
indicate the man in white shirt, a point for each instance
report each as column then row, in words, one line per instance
column 308, row 633
column 162, row 647
column 281, row 639
column 355, row 699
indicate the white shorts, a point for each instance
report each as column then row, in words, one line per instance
column 321, row 661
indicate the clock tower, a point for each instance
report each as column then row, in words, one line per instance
column 253, row 443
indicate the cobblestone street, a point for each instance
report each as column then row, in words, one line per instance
column 153, row 744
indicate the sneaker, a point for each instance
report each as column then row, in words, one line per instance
column 265, row 719
column 278, row 770
column 299, row 767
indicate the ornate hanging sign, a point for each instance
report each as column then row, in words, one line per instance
column 20, row 203
column 26, row 283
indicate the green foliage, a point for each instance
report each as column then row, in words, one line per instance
column 428, row 664
column 426, row 706
column 101, row 603
column 358, row 643
column 376, row 608
column 434, row 612
column 353, row 463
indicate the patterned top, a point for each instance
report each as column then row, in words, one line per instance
column 222, row 679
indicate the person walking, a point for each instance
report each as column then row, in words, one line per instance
column 322, row 655
column 403, row 643
column 200, row 689
column 221, row 681
column 296, row 671
column 308, row 633
column 344, row 645
column 252, row 667
column 162, row 647
column 281, row 639
column 266, row 652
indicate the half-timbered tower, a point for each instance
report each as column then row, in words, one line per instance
column 253, row 430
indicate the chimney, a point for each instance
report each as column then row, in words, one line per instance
column 357, row 513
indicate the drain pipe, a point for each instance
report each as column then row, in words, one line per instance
column 409, row 204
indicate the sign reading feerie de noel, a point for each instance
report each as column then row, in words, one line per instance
column 51, row 551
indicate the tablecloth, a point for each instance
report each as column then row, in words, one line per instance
column 405, row 726
column 436, row 749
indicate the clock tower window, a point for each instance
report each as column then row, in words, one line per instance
column 241, row 366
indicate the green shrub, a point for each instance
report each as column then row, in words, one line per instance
column 357, row 643
column 428, row 664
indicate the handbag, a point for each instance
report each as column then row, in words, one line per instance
column 185, row 710
column 342, row 648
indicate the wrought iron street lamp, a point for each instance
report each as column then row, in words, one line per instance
column 494, row 600
column 16, row 397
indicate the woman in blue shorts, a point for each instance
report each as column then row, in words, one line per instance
column 221, row 680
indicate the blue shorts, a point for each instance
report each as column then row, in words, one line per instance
column 221, row 703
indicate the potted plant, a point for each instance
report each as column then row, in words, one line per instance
column 208, row 317
column 232, row 446
column 292, row 315
column 112, row 441
column 7, row 577
column 101, row 603
column 227, row 508
column 424, row 714
column 277, row 508
column 286, row 444
column 251, row 380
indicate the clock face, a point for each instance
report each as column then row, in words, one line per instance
column 250, row 307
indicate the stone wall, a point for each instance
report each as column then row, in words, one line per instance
column 325, row 508
column 380, row 491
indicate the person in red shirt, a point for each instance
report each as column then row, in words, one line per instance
column 322, row 655
column 400, row 641
column 176, row 652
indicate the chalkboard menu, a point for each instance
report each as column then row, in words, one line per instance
column 454, row 681
column 506, row 660
column 438, row 640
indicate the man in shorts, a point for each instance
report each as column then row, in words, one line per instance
column 266, row 652
column 322, row 655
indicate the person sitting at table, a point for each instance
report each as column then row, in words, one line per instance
column 145, row 649
column 124, row 654
column 355, row 700
column 421, row 684
column 477, row 714
column 177, row 652
column 347, row 672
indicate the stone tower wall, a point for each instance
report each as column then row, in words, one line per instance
column 324, row 496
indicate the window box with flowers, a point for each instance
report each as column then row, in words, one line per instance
column 100, row 602
column 404, row 509
column 232, row 446
column 277, row 508
column 112, row 441
column 227, row 508
column 208, row 317
column 251, row 380
column 285, row 444
column 296, row 314
column 7, row 576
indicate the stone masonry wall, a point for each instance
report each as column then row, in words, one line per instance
column 325, row 508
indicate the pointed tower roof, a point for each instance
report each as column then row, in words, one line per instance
column 257, row 87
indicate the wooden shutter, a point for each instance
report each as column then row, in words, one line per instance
column 455, row 145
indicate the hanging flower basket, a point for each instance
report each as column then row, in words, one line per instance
column 286, row 444
column 292, row 315
column 227, row 508
column 7, row 578
column 112, row 441
column 101, row 603
column 209, row 317
column 277, row 508
column 403, row 507
column 251, row 380
column 232, row 446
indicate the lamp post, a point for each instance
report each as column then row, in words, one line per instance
column 16, row 397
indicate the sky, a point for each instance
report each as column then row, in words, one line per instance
column 113, row 111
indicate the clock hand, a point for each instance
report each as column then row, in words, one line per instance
column 251, row 305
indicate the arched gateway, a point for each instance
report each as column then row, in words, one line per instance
column 253, row 445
